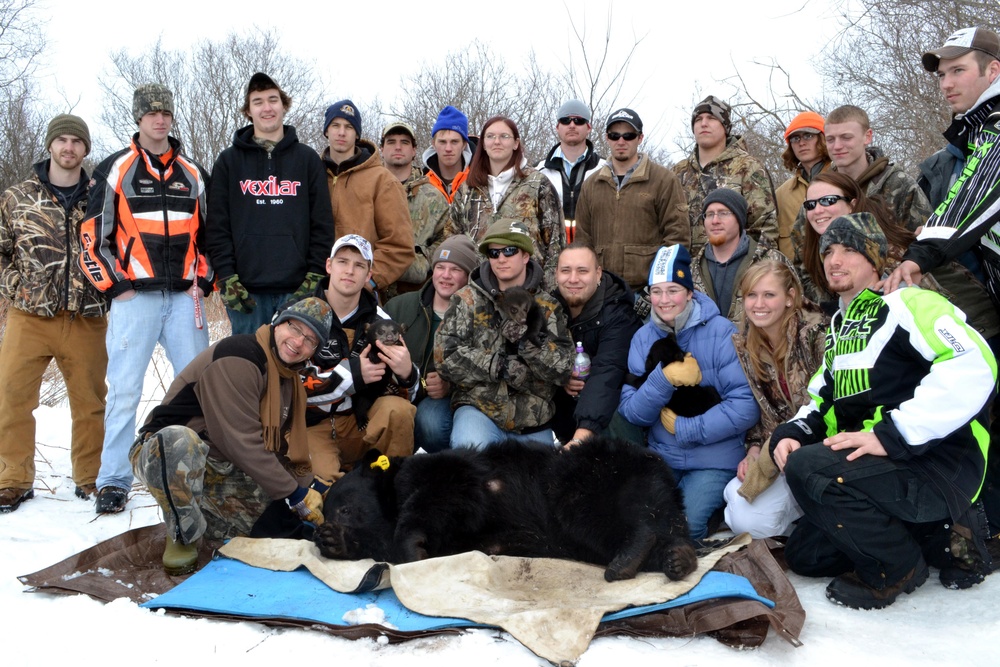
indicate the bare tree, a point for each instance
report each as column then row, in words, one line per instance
column 208, row 82
column 21, row 41
column 481, row 84
column 874, row 62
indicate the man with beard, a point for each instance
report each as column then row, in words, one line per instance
column 602, row 318
column 429, row 208
column 54, row 313
column 720, row 264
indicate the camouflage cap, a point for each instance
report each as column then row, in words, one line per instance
column 861, row 232
column 151, row 97
column 357, row 242
column 313, row 312
column 715, row 107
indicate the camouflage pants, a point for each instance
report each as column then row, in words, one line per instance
column 199, row 495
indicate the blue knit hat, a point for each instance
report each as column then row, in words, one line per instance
column 672, row 264
column 345, row 109
column 452, row 119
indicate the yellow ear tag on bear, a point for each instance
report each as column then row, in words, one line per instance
column 381, row 462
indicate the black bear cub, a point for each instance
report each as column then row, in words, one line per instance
column 686, row 401
column 389, row 333
column 520, row 306
column 605, row 502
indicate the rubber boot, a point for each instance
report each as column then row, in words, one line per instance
column 179, row 558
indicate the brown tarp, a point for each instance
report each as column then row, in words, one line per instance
column 129, row 566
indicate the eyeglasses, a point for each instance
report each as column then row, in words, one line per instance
column 309, row 341
column 575, row 120
column 824, row 201
column 501, row 137
column 627, row 136
column 670, row 291
column 807, row 136
column 724, row 214
column 509, row 251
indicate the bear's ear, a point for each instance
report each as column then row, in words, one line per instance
column 367, row 327
column 402, row 328
column 373, row 462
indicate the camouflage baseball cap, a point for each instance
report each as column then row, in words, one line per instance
column 151, row 97
column 861, row 232
column 312, row 311
column 715, row 107
column 357, row 242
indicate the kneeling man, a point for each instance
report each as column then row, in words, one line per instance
column 896, row 434
column 230, row 435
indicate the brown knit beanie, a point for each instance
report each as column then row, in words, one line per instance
column 460, row 250
column 66, row 123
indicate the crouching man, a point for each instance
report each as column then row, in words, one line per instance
column 230, row 435
column 895, row 438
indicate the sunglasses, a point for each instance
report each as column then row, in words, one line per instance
column 509, row 251
column 826, row 200
column 627, row 136
column 575, row 120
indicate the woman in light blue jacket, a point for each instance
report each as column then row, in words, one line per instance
column 703, row 451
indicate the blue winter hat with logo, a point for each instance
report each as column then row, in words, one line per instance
column 452, row 119
column 672, row 264
column 345, row 109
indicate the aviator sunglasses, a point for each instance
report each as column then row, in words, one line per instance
column 824, row 201
column 509, row 251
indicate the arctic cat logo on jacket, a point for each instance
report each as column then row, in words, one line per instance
column 272, row 187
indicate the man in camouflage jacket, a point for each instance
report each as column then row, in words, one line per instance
column 429, row 208
column 54, row 313
column 502, row 383
column 721, row 160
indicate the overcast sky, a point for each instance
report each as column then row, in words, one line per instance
column 362, row 48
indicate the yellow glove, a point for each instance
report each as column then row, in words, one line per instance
column 685, row 373
column 669, row 418
column 310, row 508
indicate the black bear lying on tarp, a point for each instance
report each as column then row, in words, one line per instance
column 605, row 502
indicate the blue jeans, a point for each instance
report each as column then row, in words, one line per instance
column 432, row 425
column 267, row 304
column 702, row 490
column 471, row 428
column 135, row 327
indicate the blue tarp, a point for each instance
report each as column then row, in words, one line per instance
column 228, row 586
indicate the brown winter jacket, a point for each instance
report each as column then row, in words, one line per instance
column 806, row 335
column 788, row 198
column 369, row 201
column 626, row 227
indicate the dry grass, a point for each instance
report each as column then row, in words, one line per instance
column 53, row 391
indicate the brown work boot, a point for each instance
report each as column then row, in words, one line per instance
column 850, row 591
column 11, row 499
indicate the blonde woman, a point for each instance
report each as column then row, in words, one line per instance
column 780, row 345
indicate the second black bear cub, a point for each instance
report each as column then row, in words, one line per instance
column 389, row 333
column 686, row 401
column 519, row 306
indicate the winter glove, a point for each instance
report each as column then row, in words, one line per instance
column 309, row 507
column 517, row 372
column 685, row 373
column 513, row 331
column 642, row 305
column 321, row 485
column 308, row 286
column 669, row 419
column 236, row 296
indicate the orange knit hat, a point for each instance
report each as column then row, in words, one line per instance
column 807, row 120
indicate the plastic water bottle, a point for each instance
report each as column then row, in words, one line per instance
column 581, row 363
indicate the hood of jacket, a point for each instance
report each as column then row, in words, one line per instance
column 366, row 158
column 430, row 159
column 611, row 289
column 484, row 278
column 591, row 161
column 243, row 138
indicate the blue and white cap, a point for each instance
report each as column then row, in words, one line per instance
column 672, row 264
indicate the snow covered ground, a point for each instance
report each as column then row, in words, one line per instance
column 931, row 627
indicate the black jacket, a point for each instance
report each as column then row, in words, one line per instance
column 569, row 188
column 605, row 327
column 269, row 213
